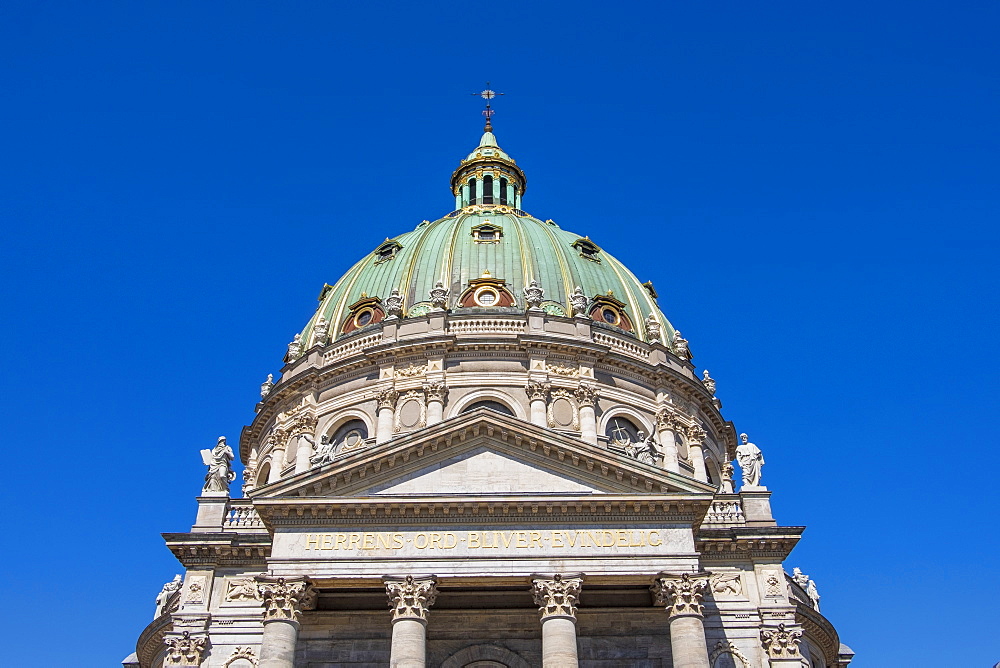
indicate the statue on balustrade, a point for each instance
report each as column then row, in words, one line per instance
column 751, row 460
column 220, row 468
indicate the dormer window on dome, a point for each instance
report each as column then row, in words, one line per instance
column 487, row 233
column 366, row 311
column 486, row 292
column 587, row 249
column 611, row 311
column 387, row 251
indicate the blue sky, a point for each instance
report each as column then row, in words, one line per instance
column 812, row 187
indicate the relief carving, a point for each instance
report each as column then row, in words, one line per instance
column 563, row 411
column 245, row 653
column 185, row 650
column 724, row 648
column 411, row 413
column 195, row 592
column 781, row 643
column 242, row 589
column 727, row 584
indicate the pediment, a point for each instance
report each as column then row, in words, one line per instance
column 482, row 453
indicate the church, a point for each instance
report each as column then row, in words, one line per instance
column 488, row 448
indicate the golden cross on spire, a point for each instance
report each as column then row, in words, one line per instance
column 488, row 111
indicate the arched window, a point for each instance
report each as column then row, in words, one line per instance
column 487, row 190
column 349, row 436
column 263, row 473
column 503, row 191
column 472, row 191
column 621, row 432
column 513, row 202
column 490, row 404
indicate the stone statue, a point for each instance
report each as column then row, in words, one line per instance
column 164, row 596
column 653, row 329
column 681, row 346
column 320, row 331
column 813, row 593
column 533, row 296
column 708, row 381
column 578, row 303
column 294, row 349
column 800, row 578
column 727, row 478
column 648, row 451
column 439, row 297
column 751, row 460
column 393, row 305
column 324, row 453
column 220, row 469
column 265, row 387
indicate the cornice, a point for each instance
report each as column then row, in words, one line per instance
column 285, row 511
column 211, row 550
column 818, row 629
column 150, row 641
column 751, row 543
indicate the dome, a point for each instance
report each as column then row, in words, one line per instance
column 485, row 254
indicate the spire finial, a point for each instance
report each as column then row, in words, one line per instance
column 488, row 111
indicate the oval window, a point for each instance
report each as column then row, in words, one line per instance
column 486, row 298
column 609, row 316
column 363, row 318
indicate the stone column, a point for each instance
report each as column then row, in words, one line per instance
column 386, row 404
column 586, row 397
column 410, row 598
column 682, row 594
column 696, row 437
column 435, row 392
column 666, row 423
column 556, row 598
column 284, row 600
column 303, row 453
column 185, row 649
column 537, row 396
column 782, row 646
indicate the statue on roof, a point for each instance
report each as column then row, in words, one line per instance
column 439, row 297
column 320, row 331
column 653, row 329
column 578, row 303
column 294, row 349
column 220, row 469
column 163, row 598
column 265, row 387
column 393, row 305
column 681, row 348
column 751, row 459
column 533, row 296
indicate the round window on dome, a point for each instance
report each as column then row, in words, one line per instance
column 486, row 297
column 610, row 316
column 363, row 317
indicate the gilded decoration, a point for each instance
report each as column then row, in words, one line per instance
column 411, row 371
column 411, row 412
column 562, row 369
column 563, row 411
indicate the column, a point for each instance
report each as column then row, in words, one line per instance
column 185, row 650
column 496, row 188
column 556, row 598
column 682, row 594
column 696, row 437
column 435, row 392
column 284, row 600
column 303, row 453
column 782, row 646
column 410, row 599
column 386, row 404
column 537, row 396
column 586, row 396
column 277, row 456
column 666, row 423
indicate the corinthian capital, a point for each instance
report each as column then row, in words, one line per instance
column 781, row 643
column 387, row 398
column 537, row 390
column 557, row 596
column 435, row 391
column 586, row 395
column 681, row 594
column 185, row 649
column 695, row 433
column 411, row 597
column 666, row 418
column 285, row 598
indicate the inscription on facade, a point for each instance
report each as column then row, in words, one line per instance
column 484, row 540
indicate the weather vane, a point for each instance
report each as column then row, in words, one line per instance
column 488, row 111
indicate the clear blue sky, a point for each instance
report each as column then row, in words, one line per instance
column 812, row 187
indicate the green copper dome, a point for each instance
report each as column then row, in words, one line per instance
column 494, row 244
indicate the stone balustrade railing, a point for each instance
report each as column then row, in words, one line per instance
column 487, row 326
column 241, row 516
column 726, row 511
column 352, row 346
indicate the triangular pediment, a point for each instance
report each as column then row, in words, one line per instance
column 482, row 454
